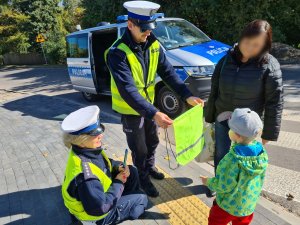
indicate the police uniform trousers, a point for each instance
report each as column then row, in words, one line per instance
column 142, row 139
column 131, row 205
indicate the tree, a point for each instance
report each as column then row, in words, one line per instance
column 101, row 10
column 225, row 19
column 72, row 14
column 12, row 36
column 43, row 17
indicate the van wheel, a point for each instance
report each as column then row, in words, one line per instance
column 90, row 97
column 168, row 102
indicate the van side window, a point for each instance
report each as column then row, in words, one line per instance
column 71, row 47
column 82, row 44
column 77, row 46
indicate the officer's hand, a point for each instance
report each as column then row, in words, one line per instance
column 195, row 101
column 122, row 177
column 162, row 120
column 125, row 170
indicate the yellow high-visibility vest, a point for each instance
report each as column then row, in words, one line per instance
column 73, row 169
column 147, row 90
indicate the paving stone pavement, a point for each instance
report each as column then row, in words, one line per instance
column 32, row 162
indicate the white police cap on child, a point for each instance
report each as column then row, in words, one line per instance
column 83, row 121
column 141, row 10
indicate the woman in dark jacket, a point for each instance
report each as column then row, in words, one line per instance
column 247, row 77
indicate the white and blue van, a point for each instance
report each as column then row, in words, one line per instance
column 192, row 53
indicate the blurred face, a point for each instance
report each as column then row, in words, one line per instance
column 138, row 36
column 252, row 47
column 93, row 141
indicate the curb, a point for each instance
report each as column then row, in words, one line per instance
column 290, row 205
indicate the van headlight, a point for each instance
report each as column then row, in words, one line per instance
column 198, row 71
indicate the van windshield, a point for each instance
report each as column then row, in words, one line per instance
column 178, row 33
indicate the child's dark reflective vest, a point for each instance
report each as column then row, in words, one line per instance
column 75, row 166
column 145, row 88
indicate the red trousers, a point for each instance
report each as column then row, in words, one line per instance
column 218, row 216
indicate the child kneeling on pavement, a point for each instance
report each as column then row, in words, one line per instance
column 96, row 189
column 240, row 174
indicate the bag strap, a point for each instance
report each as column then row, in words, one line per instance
column 172, row 151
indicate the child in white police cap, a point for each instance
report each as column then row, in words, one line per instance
column 240, row 174
column 96, row 189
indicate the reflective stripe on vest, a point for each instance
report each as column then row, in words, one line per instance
column 146, row 90
column 73, row 169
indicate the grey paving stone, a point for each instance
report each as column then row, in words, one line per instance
column 34, row 132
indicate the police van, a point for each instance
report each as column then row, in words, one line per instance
column 192, row 53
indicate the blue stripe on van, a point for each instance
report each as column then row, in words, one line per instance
column 181, row 73
column 83, row 72
column 212, row 50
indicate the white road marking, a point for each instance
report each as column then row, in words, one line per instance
column 288, row 140
column 292, row 98
column 291, row 115
column 291, row 86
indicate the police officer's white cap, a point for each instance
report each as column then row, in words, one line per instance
column 141, row 10
column 83, row 121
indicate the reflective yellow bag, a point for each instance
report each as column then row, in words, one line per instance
column 189, row 138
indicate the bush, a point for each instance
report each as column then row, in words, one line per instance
column 221, row 19
column 224, row 19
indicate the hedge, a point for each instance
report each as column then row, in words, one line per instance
column 220, row 19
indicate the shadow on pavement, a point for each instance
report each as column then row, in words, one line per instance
column 199, row 189
column 43, row 78
column 36, row 206
column 45, row 206
column 52, row 108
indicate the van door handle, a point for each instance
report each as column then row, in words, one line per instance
column 85, row 61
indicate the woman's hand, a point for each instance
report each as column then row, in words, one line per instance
column 264, row 142
column 195, row 101
column 124, row 173
column 204, row 180
column 125, row 170
column 122, row 177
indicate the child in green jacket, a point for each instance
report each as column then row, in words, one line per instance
column 240, row 174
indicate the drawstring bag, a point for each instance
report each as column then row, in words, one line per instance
column 188, row 132
column 208, row 151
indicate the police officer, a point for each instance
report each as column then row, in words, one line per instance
column 96, row 189
column 133, row 61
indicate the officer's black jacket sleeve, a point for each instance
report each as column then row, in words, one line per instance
column 95, row 202
column 167, row 73
column 119, row 68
